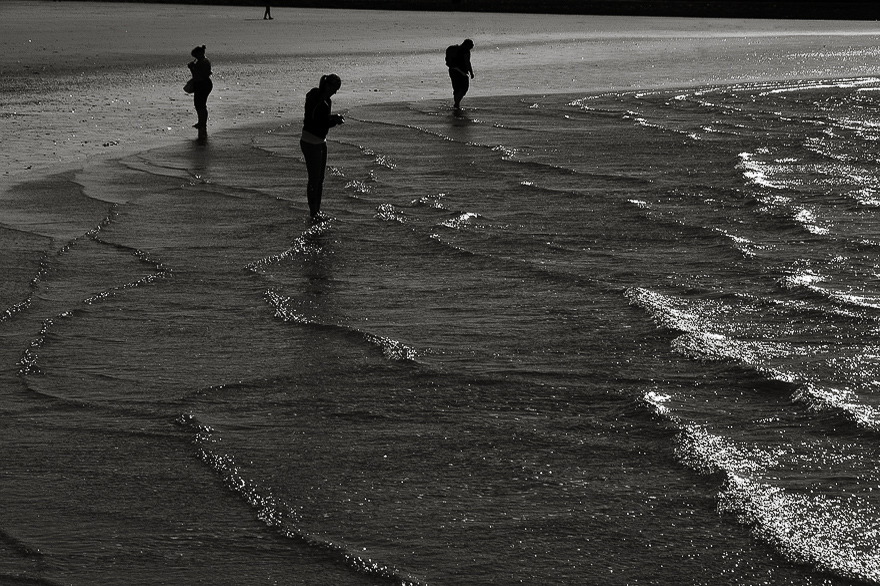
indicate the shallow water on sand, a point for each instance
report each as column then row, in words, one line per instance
column 626, row 337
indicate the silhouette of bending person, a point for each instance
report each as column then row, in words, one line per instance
column 317, row 121
column 268, row 13
column 201, row 74
column 458, row 60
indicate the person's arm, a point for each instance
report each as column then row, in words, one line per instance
column 201, row 70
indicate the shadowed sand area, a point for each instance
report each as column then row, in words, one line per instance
column 105, row 79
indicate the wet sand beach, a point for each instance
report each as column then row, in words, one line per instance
column 103, row 79
column 615, row 323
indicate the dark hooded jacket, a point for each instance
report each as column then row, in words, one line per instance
column 317, row 119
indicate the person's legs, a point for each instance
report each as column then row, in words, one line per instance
column 200, row 101
column 316, row 165
column 460, row 85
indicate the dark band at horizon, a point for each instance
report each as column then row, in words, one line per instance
column 784, row 9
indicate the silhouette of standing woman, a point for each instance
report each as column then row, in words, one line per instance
column 317, row 121
column 201, row 73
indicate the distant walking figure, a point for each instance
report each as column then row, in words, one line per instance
column 317, row 121
column 268, row 14
column 458, row 60
column 201, row 74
